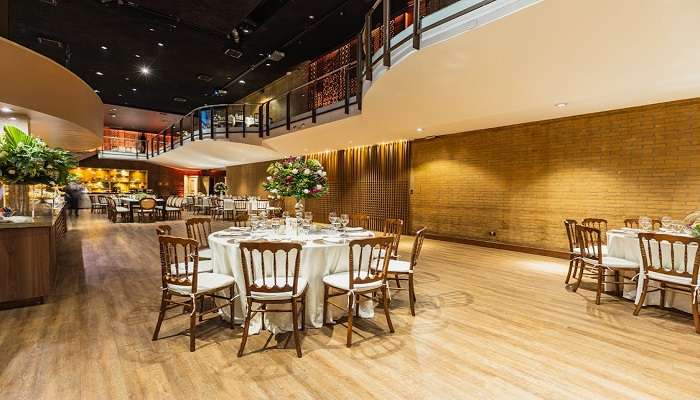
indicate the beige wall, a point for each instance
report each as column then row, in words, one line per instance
column 522, row 181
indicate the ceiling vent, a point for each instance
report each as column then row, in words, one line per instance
column 233, row 53
column 276, row 55
column 204, row 77
column 49, row 42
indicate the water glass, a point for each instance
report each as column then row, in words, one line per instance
column 253, row 222
column 666, row 222
column 344, row 220
column 275, row 225
column 309, row 215
column 645, row 223
column 285, row 215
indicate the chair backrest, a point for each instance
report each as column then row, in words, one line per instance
column 598, row 223
column 102, row 200
column 199, row 228
column 359, row 219
column 631, row 222
column 364, row 266
column 229, row 205
column 179, row 261
column 265, row 263
column 590, row 243
column 263, row 204
column 417, row 246
column 163, row 230
column 111, row 204
column 240, row 205
column 570, row 226
column 178, row 202
column 93, row 199
column 670, row 255
column 147, row 203
column 655, row 223
column 216, row 202
column 393, row 227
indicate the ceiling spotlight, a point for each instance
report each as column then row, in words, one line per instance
column 152, row 29
column 133, row 89
column 245, row 30
column 242, row 82
column 97, row 91
column 103, row 47
column 419, row 129
column 6, row 110
column 267, row 64
column 113, row 115
column 561, row 105
column 160, row 44
column 261, row 54
column 113, row 109
column 311, row 17
column 120, row 95
column 99, row 73
column 145, row 70
column 137, row 56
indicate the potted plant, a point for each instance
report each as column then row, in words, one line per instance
column 26, row 160
column 296, row 177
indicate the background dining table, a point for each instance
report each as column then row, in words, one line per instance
column 324, row 252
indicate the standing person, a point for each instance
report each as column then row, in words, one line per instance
column 73, row 191
column 142, row 143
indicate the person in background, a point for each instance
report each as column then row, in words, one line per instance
column 73, row 191
column 142, row 143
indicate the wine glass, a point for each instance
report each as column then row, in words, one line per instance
column 253, row 222
column 344, row 220
column 332, row 217
column 666, row 222
column 645, row 223
column 285, row 215
column 309, row 215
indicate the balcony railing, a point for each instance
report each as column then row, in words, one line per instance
column 372, row 49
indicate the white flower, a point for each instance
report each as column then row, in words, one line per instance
column 273, row 190
column 324, row 173
column 295, row 171
column 306, row 191
column 269, row 179
column 307, row 171
column 12, row 171
column 319, row 187
column 320, row 172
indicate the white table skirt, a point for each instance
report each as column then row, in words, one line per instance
column 317, row 261
column 626, row 245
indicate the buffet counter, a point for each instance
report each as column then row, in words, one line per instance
column 28, row 258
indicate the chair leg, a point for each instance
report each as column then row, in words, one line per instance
column 232, row 294
column 386, row 310
column 246, row 325
column 571, row 269
column 295, row 327
column 161, row 315
column 350, row 309
column 581, row 268
column 303, row 313
column 411, row 295
column 618, row 286
column 643, row 297
column 663, row 295
column 193, row 323
column 201, row 307
column 599, row 286
column 696, row 316
column 325, row 304
column 398, row 283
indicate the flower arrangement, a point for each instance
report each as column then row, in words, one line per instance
column 220, row 188
column 296, row 177
column 25, row 159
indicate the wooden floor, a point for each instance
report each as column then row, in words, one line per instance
column 489, row 324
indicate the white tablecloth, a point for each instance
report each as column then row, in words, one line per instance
column 318, row 259
column 626, row 245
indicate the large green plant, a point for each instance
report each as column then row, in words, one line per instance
column 25, row 159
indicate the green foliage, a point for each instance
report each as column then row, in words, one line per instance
column 296, row 177
column 25, row 159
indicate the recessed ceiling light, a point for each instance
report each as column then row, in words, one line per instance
column 261, row 54
column 419, row 129
column 113, row 109
column 152, row 29
column 97, row 91
column 137, row 56
column 133, row 89
column 13, row 119
column 311, row 17
column 561, row 105
column 245, row 30
column 160, row 44
column 242, row 82
column 267, row 64
column 126, row 78
column 6, row 110
column 145, row 70
column 120, row 95
column 103, row 47
column 99, row 73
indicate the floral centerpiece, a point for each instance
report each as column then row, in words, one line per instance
column 297, row 177
column 26, row 160
column 220, row 188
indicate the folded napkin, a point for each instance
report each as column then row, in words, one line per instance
column 231, row 234
column 19, row 219
column 354, row 229
column 359, row 234
column 237, row 228
column 334, row 240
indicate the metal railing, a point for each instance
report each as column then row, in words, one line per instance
column 373, row 47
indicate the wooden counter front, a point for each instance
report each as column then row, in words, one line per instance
column 28, row 259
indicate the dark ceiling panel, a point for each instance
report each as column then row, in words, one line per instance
column 194, row 35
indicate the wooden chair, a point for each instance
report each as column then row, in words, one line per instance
column 95, row 205
column 598, row 223
column 262, row 205
column 147, row 207
column 199, row 229
column 114, row 211
column 631, row 222
column 366, row 276
column 217, row 208
column 594, row 263
column 271, row 275
column 359, row 220
column 172, row 208
column 104, row 203
column 668, row 260
column 182, row 280
column 163, row 230
column 404, row 270
column 574, row 252
column 393, row 227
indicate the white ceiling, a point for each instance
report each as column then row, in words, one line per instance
column 137, row 119
column 211, row 154
column 595, row 55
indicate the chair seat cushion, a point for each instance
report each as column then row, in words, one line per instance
column 172, row 209
column 278, row 281
column 122, row 209
column 205, row 253
column 619, row 263
column 341, row 280
column 603, row 248
column 678, row 280
column 205, row 283
column 396, row 266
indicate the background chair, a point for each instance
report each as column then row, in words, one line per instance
column 199, row 229
column 271, row 275
column 404, row 270
column 360, row 220
column 393, row 228
column 147, row 207
column 574, row 252
column 598, row 223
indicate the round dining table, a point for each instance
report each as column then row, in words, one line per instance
column 323, row 252
column 624, row 243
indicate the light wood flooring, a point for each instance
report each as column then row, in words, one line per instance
column 489, row 324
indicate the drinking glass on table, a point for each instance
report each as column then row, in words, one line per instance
column 332, row 217
column 344, row 220
column 253, row 222
column 285, row 215
column 275, row 225
column 306, row 226
column 309, row 215
column 645, row 223
column 666, row 222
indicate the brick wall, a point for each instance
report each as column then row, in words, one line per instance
column 521, row 181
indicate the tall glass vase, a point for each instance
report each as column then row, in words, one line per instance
column 299, row 208
column 16, row 197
